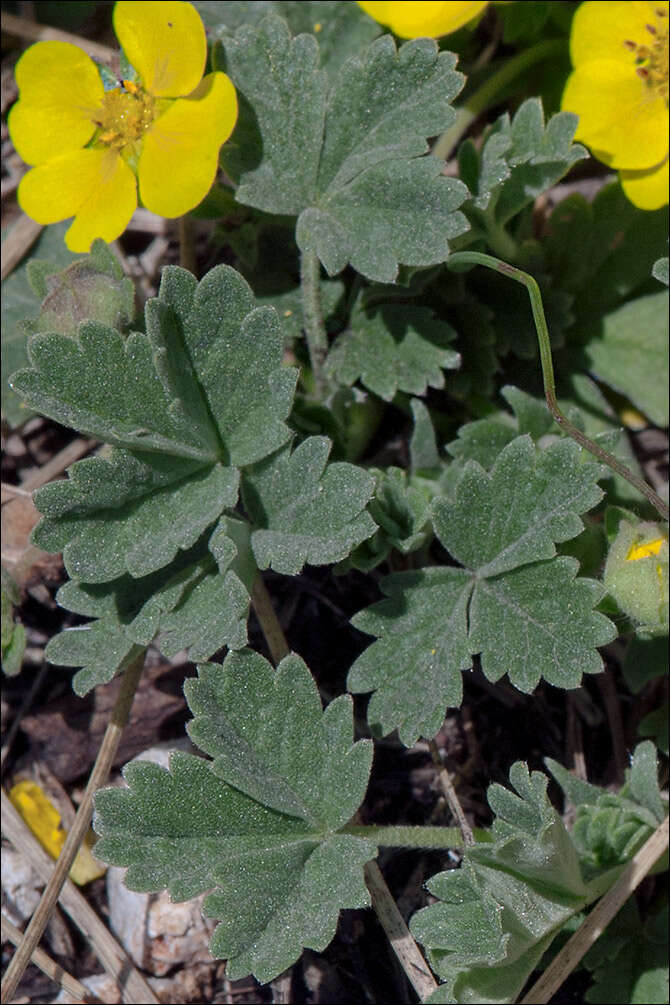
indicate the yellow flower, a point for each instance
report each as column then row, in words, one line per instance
column 619, row 89
column 91, row 147
column 414, row 19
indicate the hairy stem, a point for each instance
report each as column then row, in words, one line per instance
column 315, row 331
column 407, row 836
column 477, row 258
column 488, row 93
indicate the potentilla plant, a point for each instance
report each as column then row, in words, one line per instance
column 514, row 528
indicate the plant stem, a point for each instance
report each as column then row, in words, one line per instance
column 315, row 331
column 268, row 620
column 477, row 258
column 82, row 820
column 407, row 836
column 488, row 93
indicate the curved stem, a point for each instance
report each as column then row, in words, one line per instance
column 477, row 258
column 488, row 93
column 315, row 330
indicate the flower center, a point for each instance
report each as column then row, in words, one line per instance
column 651, row 55
column 124, row 115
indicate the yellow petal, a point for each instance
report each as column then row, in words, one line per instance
column 647, row 189
column 419, row 19
column 180, row 151
column 95, row 186
column 59, row 92
column 599, row 30
column 623, row 121
column 165, row 42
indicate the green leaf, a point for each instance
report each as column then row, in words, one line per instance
column 630, row 960
column 501, row 910
column 519, row 159
column 422, row 646
column 19, row 302
column 401, row 512
column 100, row 648
column 13, row 632
column 131, row 513
column 631, row 354
column 341, row 27
column 603, row 252
column 198, row 602
column 204, row 389
column 610, row 827
column 393, row 347
column 515, row 602
column 660, row 271
column 483, row 439
column 347, row 160
column 306, row 510
column 259, row 822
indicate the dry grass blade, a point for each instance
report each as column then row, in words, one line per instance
column 403, row 945
column 601, row 915
column 48, row 966
column 57, row 878
column 19, row 241
column 19, row 27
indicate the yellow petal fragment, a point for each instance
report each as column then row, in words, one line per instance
column 647, row 189
column 40, row 815
column 180, row 151
column 417, row 19
column 44, row 821
column 646, row 549
column 599, row 30
column 59, row 92
column 623, row 121
column 165, row 42
column 95, row 186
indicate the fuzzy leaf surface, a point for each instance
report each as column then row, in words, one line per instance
column 20, row 301
column 258, row 824
column 394, row 349
column 341, row 27
column 200, row 394
column 347, row 159
column 520, row 159
column 500, row 911
column 631, row 354
column 515, row 601
column 197, row 603
column 306, row 510
column 610, row 827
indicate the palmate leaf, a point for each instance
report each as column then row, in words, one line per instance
column 347, row 159
column 306, row 510
column 500, row 911
column 514, row 601
column 519, row 159
column 257, row 825
column 202, row 393
column 393, row 348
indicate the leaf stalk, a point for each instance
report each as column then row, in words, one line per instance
column 315, row 330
